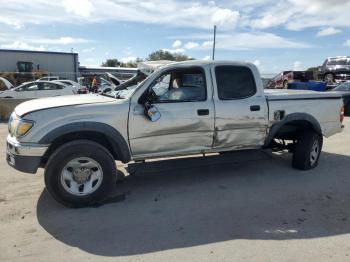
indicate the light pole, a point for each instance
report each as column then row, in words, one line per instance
column 214, row 42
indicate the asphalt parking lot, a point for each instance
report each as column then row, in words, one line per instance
column 249, row 206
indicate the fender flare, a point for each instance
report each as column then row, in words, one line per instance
column 291, row 118
column 116, row 140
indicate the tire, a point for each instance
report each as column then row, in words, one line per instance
column 305, row 155
column 62, row 180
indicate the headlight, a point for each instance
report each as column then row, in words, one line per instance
column 19, row 127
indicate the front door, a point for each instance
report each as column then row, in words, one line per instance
column 184, row 100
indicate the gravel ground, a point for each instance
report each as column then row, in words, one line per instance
column 249, row 206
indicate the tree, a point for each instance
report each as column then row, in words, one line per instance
column 116, row 63
column 111, row 63
column 166, row 55
column 316, row 72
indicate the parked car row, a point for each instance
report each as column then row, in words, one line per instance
column 334, row 71
column 38, row 89
column 47, row 87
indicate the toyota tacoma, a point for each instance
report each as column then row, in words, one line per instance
column 185, row 108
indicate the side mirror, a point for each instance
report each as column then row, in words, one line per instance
column 152, row 112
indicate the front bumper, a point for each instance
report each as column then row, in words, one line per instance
column 24, row 157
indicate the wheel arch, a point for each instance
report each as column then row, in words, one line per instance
column 293, row 123
column 101, row 133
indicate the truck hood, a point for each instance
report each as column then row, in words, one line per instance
column 53, row 102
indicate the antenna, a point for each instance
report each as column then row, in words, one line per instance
column 214, row 42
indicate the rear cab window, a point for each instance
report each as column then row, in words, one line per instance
column 234, row 82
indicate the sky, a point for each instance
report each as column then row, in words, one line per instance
column 275, row 35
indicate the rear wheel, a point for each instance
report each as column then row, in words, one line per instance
column 80, row 173
column 307, row 150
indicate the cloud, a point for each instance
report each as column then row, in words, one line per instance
column 208, row 57
column 190, row 14
column 347, row 42
column 328, row 31
column 225, row 18
column 82, row 8
column 177, row 44
column 88, row 50
column 257, row 63
column 191, row 45
column 65, row 40
column 15, row 23
column 300, row 14
column 207, row 44
column 247, row 41
column 298, row 66
column 175, row 51
column 22, row 46
column 128, row 59
column 89, row 59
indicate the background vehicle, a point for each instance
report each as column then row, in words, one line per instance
column 49, row 78
column 284, row 78
column 136, row 79
column 32, row 90
column 24, row 73
column 344, row 89
column 76, row 86
column 185, row 108
column 336, row 70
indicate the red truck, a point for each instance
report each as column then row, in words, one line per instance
column 284, row 78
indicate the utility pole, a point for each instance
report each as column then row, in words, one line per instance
column 214, row 42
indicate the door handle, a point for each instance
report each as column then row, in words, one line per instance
column 255, row 108
column 203, row 112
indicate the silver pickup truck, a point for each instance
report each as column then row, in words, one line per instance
column 184, row 108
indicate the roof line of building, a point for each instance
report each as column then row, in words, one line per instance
column 35, row 51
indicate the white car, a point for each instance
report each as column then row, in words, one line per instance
column 49, row 78
column 31, row 90
column 76, row 86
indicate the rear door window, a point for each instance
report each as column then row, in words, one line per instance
column 234, row 82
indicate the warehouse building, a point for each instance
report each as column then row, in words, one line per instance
column 65, row 65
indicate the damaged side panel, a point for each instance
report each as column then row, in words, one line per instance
column 179, row 130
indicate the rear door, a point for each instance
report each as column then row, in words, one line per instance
column 241, row 108
column 183, row 98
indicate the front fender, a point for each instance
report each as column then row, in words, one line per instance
column 116, row 140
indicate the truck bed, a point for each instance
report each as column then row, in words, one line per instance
column 323, row 106
column 277, row 95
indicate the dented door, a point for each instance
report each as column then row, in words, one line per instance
column 183, row 128
column 241, row 115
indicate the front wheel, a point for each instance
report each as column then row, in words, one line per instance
column 307, row 150
column 80, row 173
